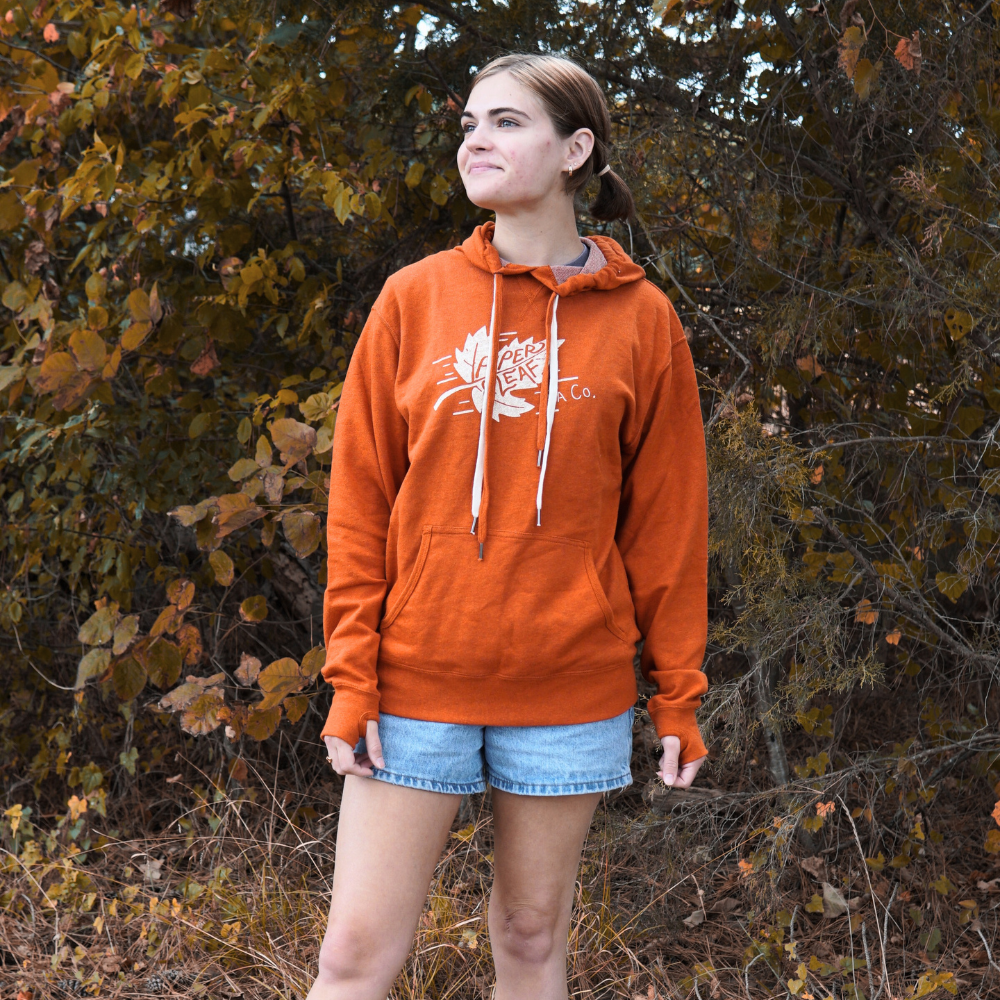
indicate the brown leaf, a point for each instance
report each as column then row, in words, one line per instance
column 98, row 628
column 293, row 439
column 295, row 707
column 202, row 715
column 206, row 362
column 849, row 46
column 816, row 866
column 846, row 12
column 163, row 661
column 190, row 642
column 36, row 256
column 908, row 53
column 236, row 510
column 129, row 678
column 260, row 725
column 302, row 530
column 181, row 593
column 181, row 9
column 181, row 696
column 238, row 769
column 246, row 673
column 274, row 487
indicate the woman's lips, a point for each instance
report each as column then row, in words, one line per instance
column 480, row 168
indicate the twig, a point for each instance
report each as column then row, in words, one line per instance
column 871, row 892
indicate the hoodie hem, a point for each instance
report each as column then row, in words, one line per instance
column 498, row 700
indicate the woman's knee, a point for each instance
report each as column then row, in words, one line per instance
column 527, row 932
column 349, row 954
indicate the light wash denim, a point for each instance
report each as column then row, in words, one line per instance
column 525, row 760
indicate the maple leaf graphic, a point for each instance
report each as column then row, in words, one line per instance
column 520, row 365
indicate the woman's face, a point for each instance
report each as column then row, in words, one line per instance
column 511, row 157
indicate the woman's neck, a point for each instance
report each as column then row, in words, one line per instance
column 538, row 238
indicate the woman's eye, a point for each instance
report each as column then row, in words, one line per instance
column 468, row 127
column 506, row 121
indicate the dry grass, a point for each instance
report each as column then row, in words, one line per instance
column 228, row 898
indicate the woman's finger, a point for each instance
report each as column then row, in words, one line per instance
column 688, row 772
column 341, row 755
column 374, row 744
column 668, row 762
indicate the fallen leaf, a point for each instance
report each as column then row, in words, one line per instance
column 834, row 903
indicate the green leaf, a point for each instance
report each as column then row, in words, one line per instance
column 99, row 627
column 163, row 662
column 125, row 633
column 93, row 664
column 201, row 423
column 242, row 468
column 129, row 678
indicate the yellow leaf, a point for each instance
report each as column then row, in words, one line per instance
column 849, row 46
column 11, row 210
column 952, row 585
column 865, row 75
column 302, row 530
column 222, row 565
column 254, row 609
column 14, row 815
column 133, row 337
column 959, row 323
column 57, row 371
column 88, row 349
column 98, row 628
column 414, row 175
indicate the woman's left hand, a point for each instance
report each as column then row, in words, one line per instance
column 669, row 772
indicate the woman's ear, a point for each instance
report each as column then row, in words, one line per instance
column 579, row 146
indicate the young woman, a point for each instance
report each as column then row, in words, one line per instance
column 518, row 494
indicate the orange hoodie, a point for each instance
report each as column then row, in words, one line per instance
column 500, row 571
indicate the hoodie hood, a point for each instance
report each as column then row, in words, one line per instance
column 619, row 269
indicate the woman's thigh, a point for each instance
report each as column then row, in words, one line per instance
column 538, row 840
column 389, row 839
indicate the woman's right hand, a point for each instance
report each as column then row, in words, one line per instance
column 345, row 761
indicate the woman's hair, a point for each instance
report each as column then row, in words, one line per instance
column 573, row 100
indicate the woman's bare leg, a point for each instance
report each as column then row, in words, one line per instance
column 538, row 840
column 389, row 839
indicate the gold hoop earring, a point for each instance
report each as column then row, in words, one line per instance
column 571, row 171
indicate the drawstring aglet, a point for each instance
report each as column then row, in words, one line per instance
column 475, row 522
column 480, row 550
column 538, row 520
column 539, row 462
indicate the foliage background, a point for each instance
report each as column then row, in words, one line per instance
column 198, row 204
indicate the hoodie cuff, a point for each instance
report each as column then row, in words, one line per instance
column 349, row 714
column 679, row 722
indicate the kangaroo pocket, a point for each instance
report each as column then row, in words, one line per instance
column 532, row 605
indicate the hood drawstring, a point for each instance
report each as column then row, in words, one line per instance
column 480, row 502
column 548, row 397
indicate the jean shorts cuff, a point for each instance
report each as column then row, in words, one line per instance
column 567, row 788
column 430, row 784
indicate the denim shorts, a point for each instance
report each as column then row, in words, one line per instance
column 526, row 760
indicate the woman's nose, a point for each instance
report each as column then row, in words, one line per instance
column 477, row 138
